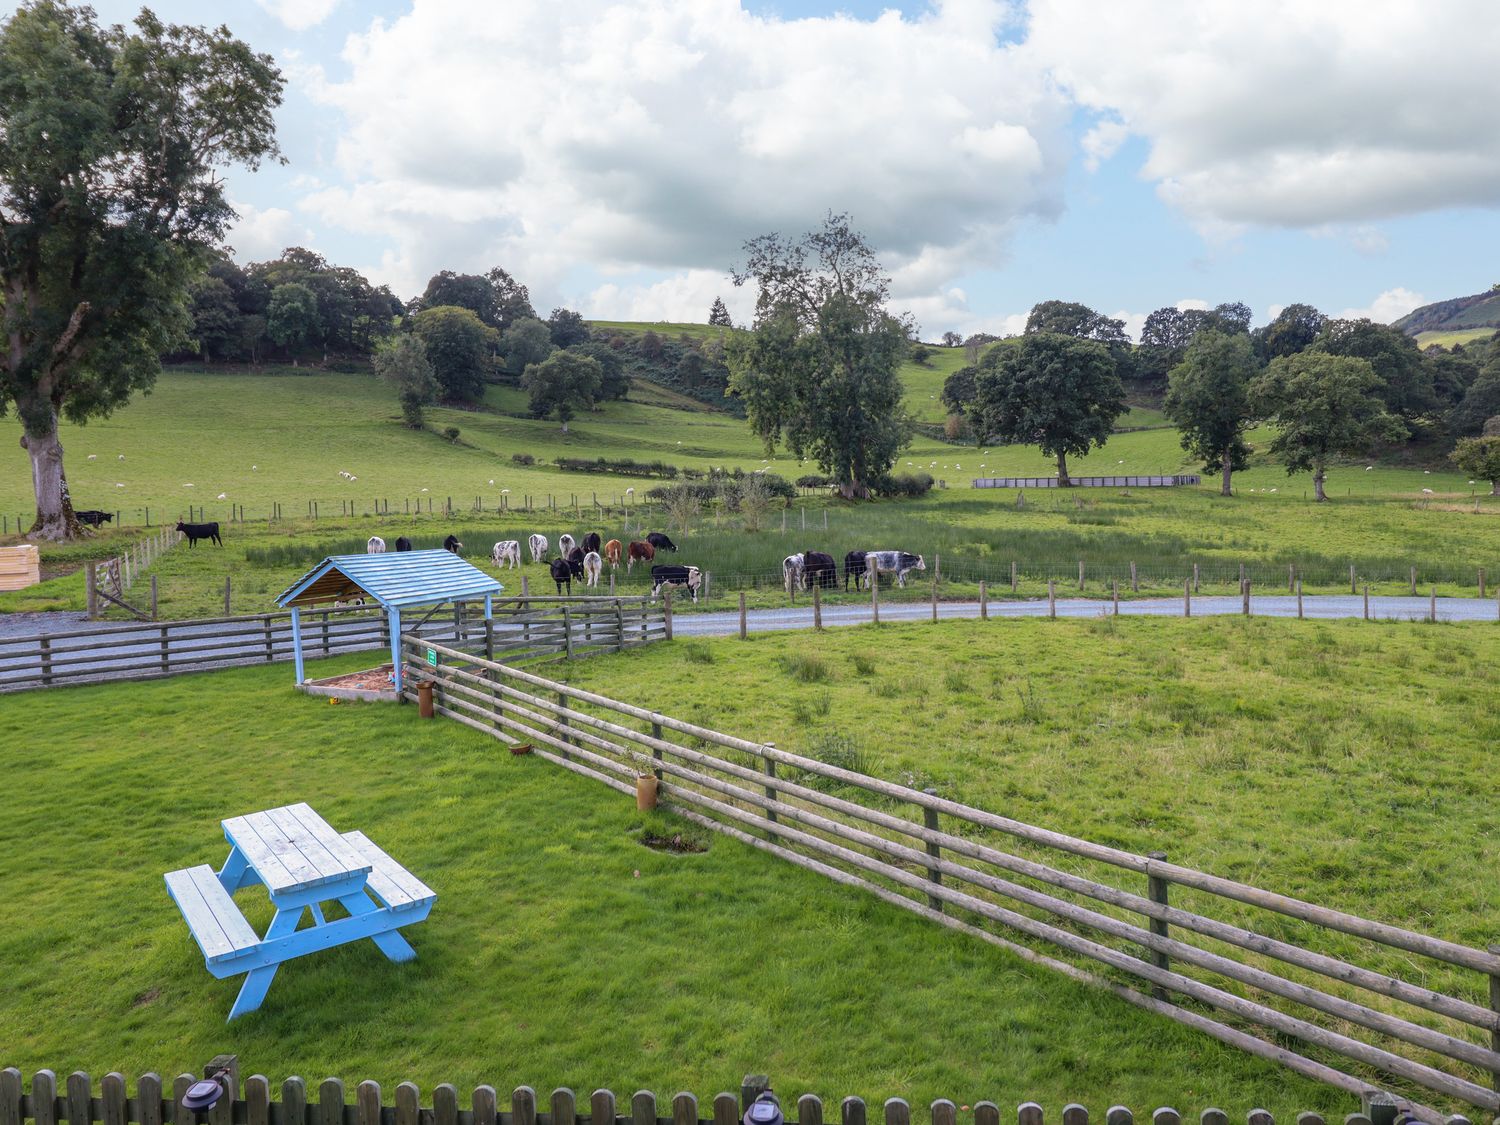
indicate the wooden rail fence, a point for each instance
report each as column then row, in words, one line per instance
column 522, row 629
column 109, row 579
column 76, row 1102
column 1221, row 956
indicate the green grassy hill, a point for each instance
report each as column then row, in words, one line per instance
column 1458, row 314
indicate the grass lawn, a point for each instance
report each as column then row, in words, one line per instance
column 560, row 951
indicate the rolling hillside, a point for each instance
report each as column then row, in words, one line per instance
column 1456, row 320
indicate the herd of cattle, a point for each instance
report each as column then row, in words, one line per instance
column 816, row 569
column 581, row 561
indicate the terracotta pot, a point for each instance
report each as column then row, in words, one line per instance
column 645, row 792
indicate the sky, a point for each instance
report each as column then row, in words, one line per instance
column 615, row 155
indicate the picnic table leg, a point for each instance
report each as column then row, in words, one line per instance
column 258, row 981
column 236, row 872
column 391, row 943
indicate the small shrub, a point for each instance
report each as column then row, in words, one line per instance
column 451, row 433
column 903, row 485
column 523, row 458
column 863, row 663
column 808, row 669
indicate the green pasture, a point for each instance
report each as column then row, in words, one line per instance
column 560, row 950
column 1448, row 338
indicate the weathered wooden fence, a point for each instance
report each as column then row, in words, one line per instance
column 109, row 579
column 157, row 1103
column 1218, row 955
column 522, row 629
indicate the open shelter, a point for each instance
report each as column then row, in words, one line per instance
column 395, row 581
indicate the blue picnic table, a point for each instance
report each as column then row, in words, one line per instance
column 303, row 863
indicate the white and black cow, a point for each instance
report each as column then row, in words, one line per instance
column 689, row 576
column 565, row 545
column 452, row 544
column 376, row 546
column 899, row 563
column 791, row 573
column 593, row 566
column 538, row 545
column 507, row 553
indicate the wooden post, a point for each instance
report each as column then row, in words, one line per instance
column 1299, row 599
column 562, row 721
column 1195, row 578
column 874, row 595
column 1051, row 598
column 489, row 639
column 46, row 646
column 611, row 583
column 1245, row 594
column 1367, row 601
column 1242, row 576
column 1114, row 594
column 1495, row 1006
column 937, row 567
column 1291, row 578
column 930, row 821
column 1353, row 589
column 153, row 597
column 270, row 650
column 1135, row 586
column 1080, row 576
column 1012, row 576
column 1481, row 582
column 1156, row 889
column 934, row 603
column 1432, row 606
column 818, row 604
column 742, row 615
column 770, row 790
column 667, row 609
column 1413, row 581
column 1187, row 599
column 656, row 734
column 984, row 602
column 226, row 595
column 568, row 628
column 91, row 595
column 166, row 655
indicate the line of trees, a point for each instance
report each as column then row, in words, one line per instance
column 1332, row 388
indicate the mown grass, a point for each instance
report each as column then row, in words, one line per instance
column 560, row 951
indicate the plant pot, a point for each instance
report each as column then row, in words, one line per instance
column 645, row 792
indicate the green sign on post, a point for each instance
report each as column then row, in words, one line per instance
column 432, row 657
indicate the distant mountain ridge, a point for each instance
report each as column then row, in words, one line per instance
column 1482, row 310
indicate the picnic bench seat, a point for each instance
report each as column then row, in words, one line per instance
column 393, row 884
column 219, row 928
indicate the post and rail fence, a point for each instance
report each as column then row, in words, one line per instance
column 1213, row 953
column 77, row 1100
column 521, row 628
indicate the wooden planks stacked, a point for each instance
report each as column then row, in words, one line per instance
column 20, row 567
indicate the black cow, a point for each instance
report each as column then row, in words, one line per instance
column 403, row 544
column 197, row 531
column 689, row 576
column 591, row 542
column 660, row 541
column 575, row 563
column 452, row 544
column 855, row 567
column 562, row 574
column 819, row 569
column 94, row 517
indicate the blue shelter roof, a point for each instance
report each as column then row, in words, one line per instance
column 396, row 579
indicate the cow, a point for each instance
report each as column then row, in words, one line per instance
column 507, row 553
column 590, row 542
column 660, row 541
column 403, row 544
column 689, row 576
column 854, row 568
column 791, row 573
column 93, row 517
column 592, row 566
column 562, row 574
column 575, row 562
column 613, row 551
column 538, row 545
column 452, row 544
column 197, row 531
column 376, row 546
column 565, row 544
column 638, row 552
column 819, row 569
column 896, row 562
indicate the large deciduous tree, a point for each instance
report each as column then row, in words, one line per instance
column 1406, row 385
column 1293, row 330
column 109, row 200
column 1053, row 391
column 1480, row 456
column 819, row 368
column 401, row 360
column 1323, row 407
column 458, row 347
column 563, row 384
column 1208, row 398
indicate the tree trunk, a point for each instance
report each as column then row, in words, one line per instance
column 1318, row 492
column 1495, row 487
column 1225, row 488
column 54, row 507
column 854, row 490
column 1063, row 480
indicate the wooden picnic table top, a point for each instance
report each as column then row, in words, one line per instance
column 292, row 849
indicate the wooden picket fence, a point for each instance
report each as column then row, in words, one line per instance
column 522, row 629
column 155, row 1103
column 1217, row 955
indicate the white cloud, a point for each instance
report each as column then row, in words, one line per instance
column 658, row 135
column 682, row 298
column 299, row 15
column 261, row 234
column 1388, row 306
column 1288, row 113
